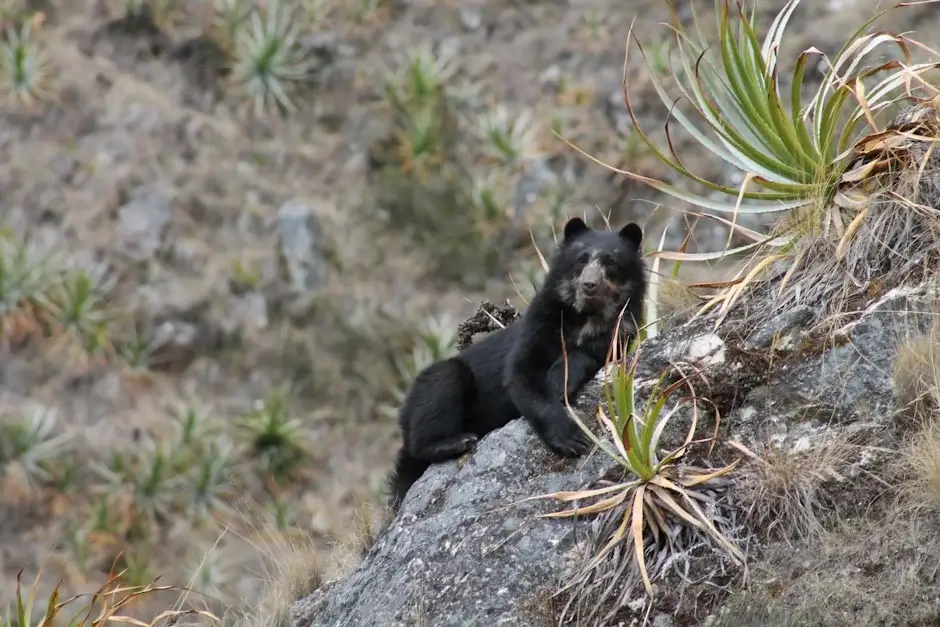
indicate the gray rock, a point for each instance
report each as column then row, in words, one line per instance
column 535, row 181
column 617, row 114
column 142, row 221
column 470, row 19
column 550, row 76
column 174, row 346
column 782, row 331
column 853, row 372
column 172, row 298
column 459, row 552
column 302, row 260
column 449, row 48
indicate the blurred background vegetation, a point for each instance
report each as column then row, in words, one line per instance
column 234, row 230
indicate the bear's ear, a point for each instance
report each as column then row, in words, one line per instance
column 633, row 234
column 575, row 227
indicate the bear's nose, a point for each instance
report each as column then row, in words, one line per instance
column 590, row 286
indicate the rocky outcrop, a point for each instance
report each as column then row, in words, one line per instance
column 463, row 551
column 460, row 552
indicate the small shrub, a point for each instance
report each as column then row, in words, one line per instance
column 437, row 340
column 785, row 493
column 210, row 481
column 425, row 174
column 508, row 137
column 145, row 486
column 137, row 348
column 230, row 16
column 25, row 275
column 77, row 309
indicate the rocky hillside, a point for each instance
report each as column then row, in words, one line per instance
column 232, row 231
column 835, row 510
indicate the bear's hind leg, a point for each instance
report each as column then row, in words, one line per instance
column 434, row 412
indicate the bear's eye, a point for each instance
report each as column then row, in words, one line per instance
column 608, row 261
column 584, row 257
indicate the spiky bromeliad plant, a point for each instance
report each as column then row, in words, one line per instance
column 25, row 69
column 842, row 179
column 269, row 62
column 660, row 499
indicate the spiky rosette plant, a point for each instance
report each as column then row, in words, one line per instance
column 25, row 68
column 662, row 507
column 25, row 276
column 269, row 62
column 854, row 193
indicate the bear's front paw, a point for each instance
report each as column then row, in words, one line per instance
column 452, row 447
column 467, row 442
column 567, row 439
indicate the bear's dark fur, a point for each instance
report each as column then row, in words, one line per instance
column 519, row 370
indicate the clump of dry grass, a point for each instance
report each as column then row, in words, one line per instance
column 916, row 375
column 751, row 609
column 920, row 461
column 868, row 571
column 292, row 570
column 675, row 297
column 785, row 492
column 917, row 387
column 111, row 603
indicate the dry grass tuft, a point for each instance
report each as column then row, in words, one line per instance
column 675, row 297
column 293, row 565
column 294, row 572
column 866, row 572
column 786, row 492
column 920, row 461
column 113, row 602
column 758, row 610
column 916, row 373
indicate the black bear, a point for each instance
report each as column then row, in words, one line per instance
column 519, row 370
